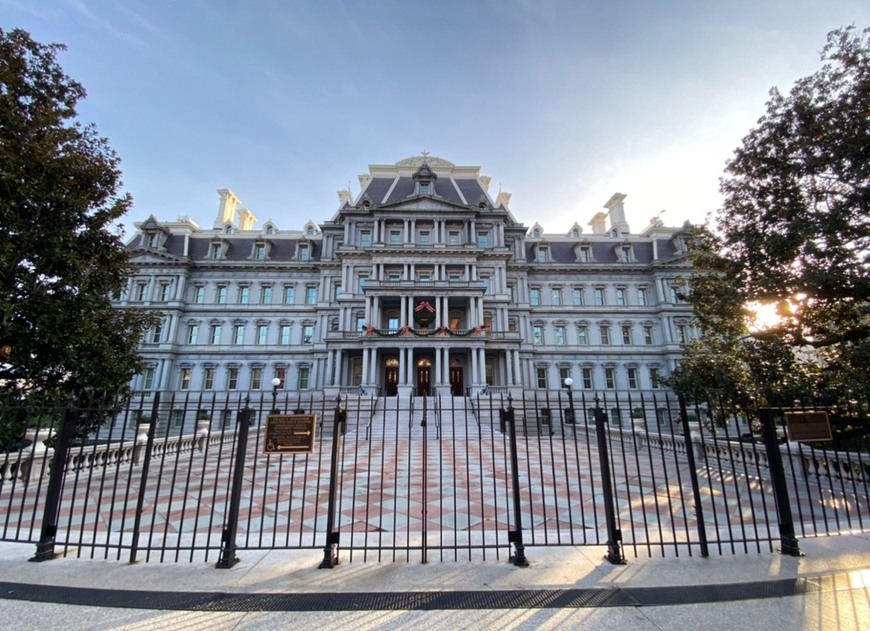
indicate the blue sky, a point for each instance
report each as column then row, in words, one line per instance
column 562, row 102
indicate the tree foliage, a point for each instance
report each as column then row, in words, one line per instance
column 794, row 231
column 61, row 255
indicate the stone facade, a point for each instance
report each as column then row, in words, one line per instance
column 423, row 283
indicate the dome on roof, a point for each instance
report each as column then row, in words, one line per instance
column 417, row 161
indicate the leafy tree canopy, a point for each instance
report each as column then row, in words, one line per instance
column 793, row 231
column 61, row 255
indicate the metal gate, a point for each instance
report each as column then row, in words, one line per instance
column 426, row 478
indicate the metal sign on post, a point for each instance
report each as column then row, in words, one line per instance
column 289, row 433
column 804, row 425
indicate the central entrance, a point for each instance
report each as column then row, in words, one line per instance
column 424, row 377
column 456, row 381
column 391, row 378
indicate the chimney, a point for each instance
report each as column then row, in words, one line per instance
column 227, row 208
column 344, row 197
column 617, row 213
column 503, row 199
column 598, row 223
column 246, row 219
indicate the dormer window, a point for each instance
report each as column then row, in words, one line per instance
column 543, row 255
column 425, row 179
column 217, row 250
column 536, row 234
column 304, row 253
column 583, row 252
column 259, row 251
column 151, row 240
column 228, row 229
column 270, row 229
column 575, row 234
column 625, row 254
column 424, row 188
column 311, row 231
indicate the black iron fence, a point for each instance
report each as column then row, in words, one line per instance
column 171, row 478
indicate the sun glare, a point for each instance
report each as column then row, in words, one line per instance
column 763, row 316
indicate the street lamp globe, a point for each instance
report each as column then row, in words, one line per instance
column 568, row 382
column 276, row 382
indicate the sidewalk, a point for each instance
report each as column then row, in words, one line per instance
column 829, row 588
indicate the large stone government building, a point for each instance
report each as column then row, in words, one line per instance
column 424, row 283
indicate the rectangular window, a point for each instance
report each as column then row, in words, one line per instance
column 157, row 333
column 308, row 334
column 363, row 278
column 289, row 295
column 140, row 291
column 675, row 295
column 425, row 237
column 585, row 255
column 654, row 378
column 244, row 295
column 184, row 379
column 266, row 295
column 395, row 237
column 177, row 418
column 483, row 239
column 304, row 253
column 582, row 335
column 648, row 335
column 626, row 334
column 455, row 278
column 485, row 280
column 221, row 295
column 560, row 335
column 256, row 378
column 360, row 323
column 605, row 335
column 578, row 297
column 164, row 292
column 453, row 237
column 395, row 277
column 625, row 254
column 543, row 254
column 557, row 296
column 192, row 333
column 311, row 295
column 285, row 334
column 238, row 334
column 199, row 294
column 641, row 296
column 208, row 379
column 215, row 250
column 632, row 378
column 262, row 333
column 620, row 296
column 304, row 376
column 510, row 290
column 599, row 296
column 215, row 336
column 260, row 252
column 609, row 378
column 587, row 379
column 534, row 296
column 393, row 323
column 541, row 373
column 537, row 334
column 424, row 277
column 336, row 291
column 564, row 373
column 149, row 379
column 365, row 238
column 682, row 336
column 281, row 374
column 232, row 378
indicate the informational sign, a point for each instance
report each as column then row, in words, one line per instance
column 289, row 433
column 804, row 425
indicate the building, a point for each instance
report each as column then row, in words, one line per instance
column 424, row 284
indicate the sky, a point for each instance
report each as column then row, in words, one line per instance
column 561, row 102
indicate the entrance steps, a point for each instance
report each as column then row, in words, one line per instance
column 392, row 418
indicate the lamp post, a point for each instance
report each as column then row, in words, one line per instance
column 275, row 383
column 569, row 417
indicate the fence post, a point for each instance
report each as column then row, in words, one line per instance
column 45, row 546
column 228, row 556
column 614, row 535
column 515, row 536
column 330, row 551
column 787, row 537
column 143, row 478
column 693, row 475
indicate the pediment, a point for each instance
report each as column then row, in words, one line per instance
column 423, row 203
column 145, row 256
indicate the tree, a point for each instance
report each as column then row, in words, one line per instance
column 61, row 256
column 794, row 231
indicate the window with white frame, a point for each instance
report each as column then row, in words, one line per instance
column 543, row 254
column 244, row 295
column 266, row 295
column 221, row 295
column 682, row 333
column 308, row 334
column 610, row 378
column 577, row 294
column 620, row 296
column 483, row 238
column 304, row 253
column 604, row 332
column 289, row 294
column 654, row 377
column 164, row 292
column 648, row 334
column 256, row 378
column 632, row 378
column 585, row 254
column 534, row 296
column 260, row 251
column 556, row 296
column 365, row 238
column 587, row 378
column 304, row 377
column 285, row 334
column 192, row 333
column 559, row 334
column 157, row 333
column 262, row 334
column 541, row 374
column 641, row 296
column 395, row 237
column 184, row 376
column 199, row 294
column 336, row 291
column 599, row 296
column 148, row 381
column 232, row 378
column 208, row 378
column 583, row 335
column 311, row 295
column 626, row 334
column 453, row 237
column 537, row 334
column 215, row 334
column 141, row 289
column 238, row 334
